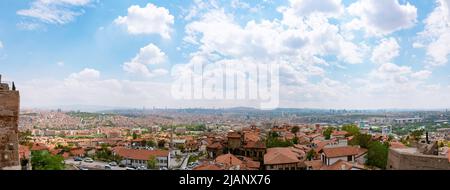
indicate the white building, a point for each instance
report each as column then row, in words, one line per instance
column 346, row 153
column 139, row 158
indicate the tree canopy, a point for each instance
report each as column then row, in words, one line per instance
column 43, row 160
column 362, row 140
column 327, row 133
column 351, row 129
column 151, row 162
column 378, row 154
column 295, row 129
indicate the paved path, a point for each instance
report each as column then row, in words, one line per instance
column 185, row 162
column 96, row 165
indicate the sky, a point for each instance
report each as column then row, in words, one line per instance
column 332, row 54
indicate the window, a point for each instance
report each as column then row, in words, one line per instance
column 349, row 158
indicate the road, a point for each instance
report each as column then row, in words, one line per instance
column 185, row 162
column 96, row 165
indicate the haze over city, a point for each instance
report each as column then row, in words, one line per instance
column 345, row 54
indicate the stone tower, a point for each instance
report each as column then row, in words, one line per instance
column 9, row 122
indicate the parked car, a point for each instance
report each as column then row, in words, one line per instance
column 78, row 159
column 130, row 168
column 88, row 160
column 112, row 164
column 108, row 167
column 122, row 165
column 142, row 168
column 83, row 168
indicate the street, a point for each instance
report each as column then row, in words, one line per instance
column 96, row 165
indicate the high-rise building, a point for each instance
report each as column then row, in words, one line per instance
column 9, row 118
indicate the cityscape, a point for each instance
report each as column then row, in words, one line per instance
column 222, row 139
column 224, row 85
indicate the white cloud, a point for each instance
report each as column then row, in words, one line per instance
column 53, row 11
column 60, row 63
column 436, row 36
column 238, row 4
column 148, row 55
column 1, row 45
column 308, row 7
column 387, row 50
column 314, row 36
column 422, row 75
column 382, row 17
column 85, row 75
column 147, row 20
column 76, row 90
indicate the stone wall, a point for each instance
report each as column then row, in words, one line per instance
column 9, row 117
column 404, row 161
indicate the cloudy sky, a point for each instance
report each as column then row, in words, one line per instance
column 332, row 53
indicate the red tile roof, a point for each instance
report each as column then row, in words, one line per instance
column 38, row 147
column 135, row 154
column 339, row 133
column 215, row 145
column 250, row 163
column 228, row 159
column 251, row 136
column 208, row 167
column 234, row 135
column 259, row 144
column 280, row 156
column 24, row 152
column 334, row 152
column 315, row 164
column 343, row 165
column 77, row 151
column 397, row 145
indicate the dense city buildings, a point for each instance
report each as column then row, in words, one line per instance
column 221, row 139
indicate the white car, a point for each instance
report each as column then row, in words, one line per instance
column 88, row 160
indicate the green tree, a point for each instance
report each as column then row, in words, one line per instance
column 391, row 137
column 295, row 129
column 295, row 140
column 362, row 140
column 181, row 147
column 150, row 143
column 417, row 134
column 351, row 129
column 151, row 162
column 275, row 142
column 327, row 133
column 43, row 160
column 161, row 143
column 273, row 135
column 135, row 136
column 377, row 154
column 25, row 137
column 310, row 155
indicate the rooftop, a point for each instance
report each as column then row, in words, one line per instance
column 334, row 152
column 280, row 156
column 139, row 154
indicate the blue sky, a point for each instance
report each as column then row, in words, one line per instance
column 338, row 54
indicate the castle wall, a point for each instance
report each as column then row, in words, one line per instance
column 403, row 161
column 9, row 117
